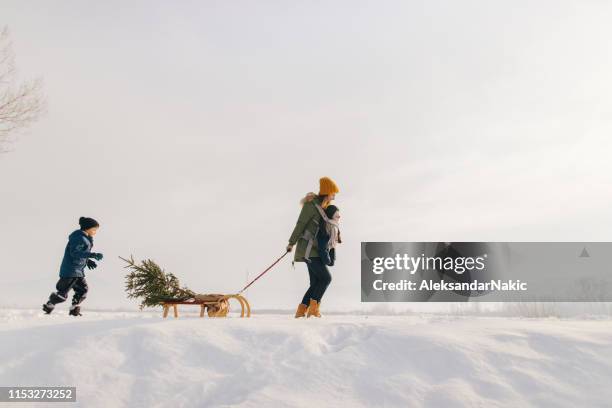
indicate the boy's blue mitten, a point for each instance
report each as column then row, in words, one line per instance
column 96, row 256
column 91, row 264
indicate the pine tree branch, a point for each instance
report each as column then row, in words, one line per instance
column 150, row 283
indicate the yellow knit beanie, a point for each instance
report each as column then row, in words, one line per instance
column 327, row 186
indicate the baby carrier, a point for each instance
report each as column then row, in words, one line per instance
column 323, row 236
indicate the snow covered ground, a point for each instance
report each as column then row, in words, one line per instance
column 137, row 359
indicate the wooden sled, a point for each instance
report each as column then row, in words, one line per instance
column 215, row 305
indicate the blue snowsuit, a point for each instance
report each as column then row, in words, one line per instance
column 72, row 270
column 77, row 251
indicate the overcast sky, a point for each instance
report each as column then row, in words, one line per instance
column 190, row 130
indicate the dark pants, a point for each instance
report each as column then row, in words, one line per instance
column 63, row 287
column 319, row 280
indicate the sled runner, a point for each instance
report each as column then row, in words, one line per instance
column 213, row 304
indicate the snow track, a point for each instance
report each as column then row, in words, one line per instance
column 139, row 360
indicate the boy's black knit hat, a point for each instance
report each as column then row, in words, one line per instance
column 87, row 223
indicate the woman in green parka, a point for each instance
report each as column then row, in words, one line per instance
column 304, row 235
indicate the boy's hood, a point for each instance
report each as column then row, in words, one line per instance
column 75, row 233
column 79, row 233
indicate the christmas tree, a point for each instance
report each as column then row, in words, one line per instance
column 150, row 283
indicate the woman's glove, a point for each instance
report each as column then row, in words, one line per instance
column 91, row 264
column 96, row 256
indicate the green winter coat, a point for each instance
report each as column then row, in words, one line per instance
column 308, row 220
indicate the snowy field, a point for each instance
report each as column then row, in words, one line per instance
column 137, row 359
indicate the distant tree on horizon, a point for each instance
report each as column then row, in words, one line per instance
column 21, row 102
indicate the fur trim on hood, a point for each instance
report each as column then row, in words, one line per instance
column 309, row 197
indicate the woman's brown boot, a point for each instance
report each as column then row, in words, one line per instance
column 301, row 310
column 313, row 309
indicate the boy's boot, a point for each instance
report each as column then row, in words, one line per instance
column 54, row 299
column 75, row 310
column 48, row 307
column 301, row 310
column 313, row 309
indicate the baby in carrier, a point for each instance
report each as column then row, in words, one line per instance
column 328, row 235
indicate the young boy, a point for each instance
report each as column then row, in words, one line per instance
column 72, row 272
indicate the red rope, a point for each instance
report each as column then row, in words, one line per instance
column 261, row 274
